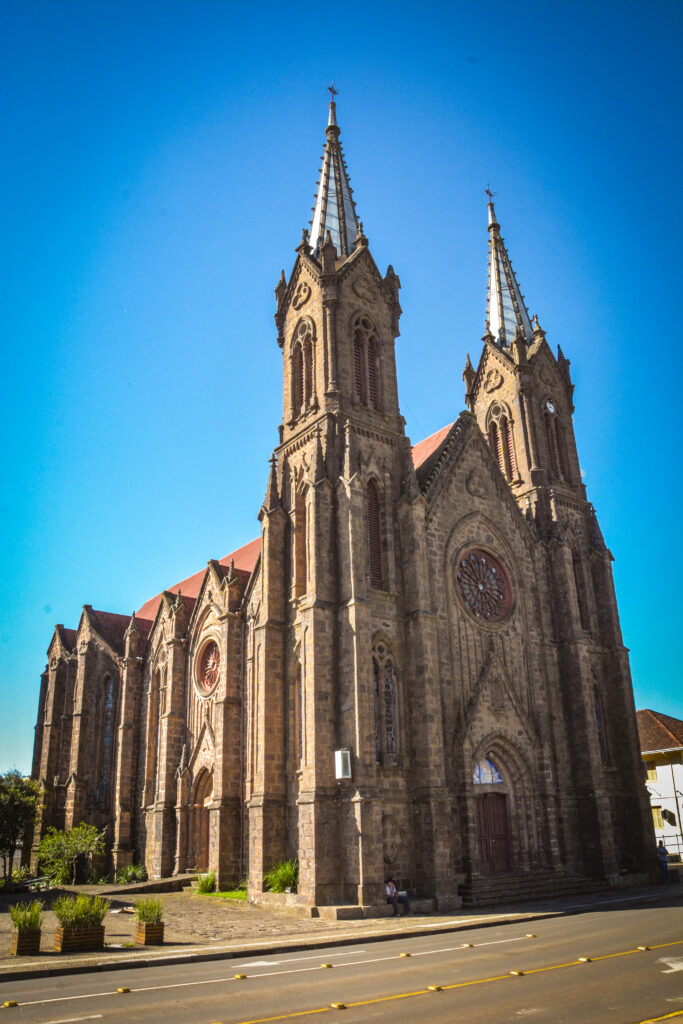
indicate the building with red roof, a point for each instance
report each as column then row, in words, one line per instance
column 415, row 669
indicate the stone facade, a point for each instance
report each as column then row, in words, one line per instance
column 445, row 613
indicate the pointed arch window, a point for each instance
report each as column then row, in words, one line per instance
column 555, row 443
column 366, row 362
column 501, row 440
column 386, row 704
column 302, row 369
column 375, row 536
column 486, row 773
column 106, row 744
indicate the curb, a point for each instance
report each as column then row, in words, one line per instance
column 324, row 942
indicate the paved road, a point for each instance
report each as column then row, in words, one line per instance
column 619, row 985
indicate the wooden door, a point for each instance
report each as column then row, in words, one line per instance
column 493, row 834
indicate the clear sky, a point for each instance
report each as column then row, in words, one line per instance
column 158, row 161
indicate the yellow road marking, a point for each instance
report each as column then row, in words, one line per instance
column 667, row 1016
column 467, row 984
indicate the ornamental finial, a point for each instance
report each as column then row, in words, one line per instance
column 332, row 91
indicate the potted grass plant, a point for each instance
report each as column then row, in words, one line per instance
column 27, row 919
column 149, row 926
column 80, row 923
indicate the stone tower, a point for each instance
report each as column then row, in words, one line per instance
column 333, row 580
column 522, row 397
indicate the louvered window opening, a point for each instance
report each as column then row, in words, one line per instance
column 359, row 368
column 508, row 449
column 375, row 537
column 365, row 362
column 308, row 373
column 501, row 442
column 496, row 446
column 559, row 443
column 372, row 373
column 550, row 442
column 297, row 381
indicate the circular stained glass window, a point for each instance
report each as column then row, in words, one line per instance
column 484, row 585
column 209, row 667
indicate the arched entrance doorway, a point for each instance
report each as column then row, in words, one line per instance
column 492, row 819
column 203, row 795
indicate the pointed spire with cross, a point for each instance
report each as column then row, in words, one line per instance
column 335, row 209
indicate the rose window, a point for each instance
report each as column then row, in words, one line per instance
column 209, row 666
column 484, row 586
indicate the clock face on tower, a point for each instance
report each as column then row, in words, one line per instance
column 208, row 668
column 483, row 585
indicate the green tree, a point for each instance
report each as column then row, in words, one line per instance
column 59, row 851
column 18, row 802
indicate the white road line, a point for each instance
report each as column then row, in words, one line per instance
column 452, row 949
column 262, row 974
column 72, row 1020
column 294, row 959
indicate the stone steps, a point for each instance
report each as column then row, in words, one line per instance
column 499, row 889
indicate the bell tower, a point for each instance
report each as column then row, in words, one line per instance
column 522, row 394
column 334, row 529
column 522, row 397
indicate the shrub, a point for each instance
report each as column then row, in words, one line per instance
column 284, row 875
column 27, row 917
column 21, row 874
column 81, row 911
column 132, row 873
column 59, row 851
column 206, row 883
column 149, row 910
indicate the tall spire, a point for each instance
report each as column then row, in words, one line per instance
column 506, row 311
column 334, row 210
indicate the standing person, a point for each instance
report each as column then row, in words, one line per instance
column 663, row 855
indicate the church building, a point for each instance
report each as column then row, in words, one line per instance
column 415, row 670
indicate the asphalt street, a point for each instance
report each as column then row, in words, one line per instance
column 456, row 976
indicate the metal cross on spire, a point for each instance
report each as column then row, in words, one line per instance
column 489, row 193
column 332, row 91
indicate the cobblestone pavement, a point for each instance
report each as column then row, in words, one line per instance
column 189, row 918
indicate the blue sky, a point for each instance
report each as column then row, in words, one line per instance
column 158, row 164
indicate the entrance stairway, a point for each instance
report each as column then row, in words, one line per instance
column 535, row 885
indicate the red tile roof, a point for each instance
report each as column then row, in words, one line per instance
column 659, row 732
column 245, row 559
column 109, row 625
column 423, row 449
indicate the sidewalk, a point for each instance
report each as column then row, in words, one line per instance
column 279, row 933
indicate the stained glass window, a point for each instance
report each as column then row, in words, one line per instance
column 106, row 743
column 484, row 585
column 486, row 773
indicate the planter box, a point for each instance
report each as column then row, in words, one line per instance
column 78, row 940
column 25, row 943
column 149, row 934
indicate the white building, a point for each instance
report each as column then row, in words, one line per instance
column 661, row 745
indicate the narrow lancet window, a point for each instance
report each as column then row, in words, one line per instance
column 375, row 536
column 386, row 705
column 501, row 441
